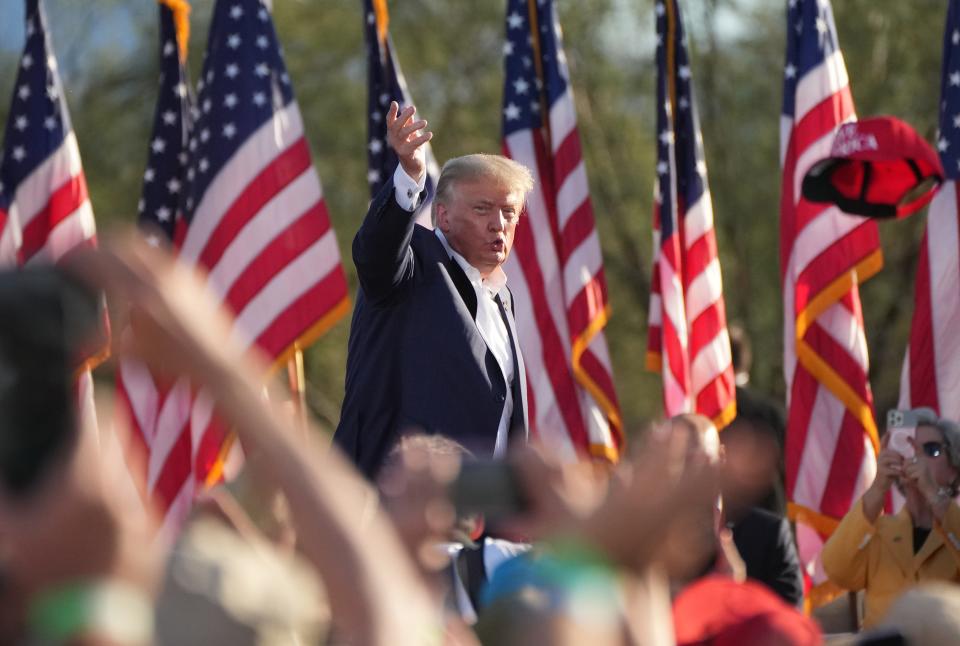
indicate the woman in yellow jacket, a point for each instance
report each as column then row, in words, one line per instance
column 884, row 555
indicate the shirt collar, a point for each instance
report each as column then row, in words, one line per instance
column 492, row 283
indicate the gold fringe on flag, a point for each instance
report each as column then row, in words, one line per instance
column 181, row 18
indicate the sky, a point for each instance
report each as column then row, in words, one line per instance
column 117, row 16
column 76, row 27
column 622, row 24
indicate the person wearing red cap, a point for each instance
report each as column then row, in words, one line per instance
column 718, row 611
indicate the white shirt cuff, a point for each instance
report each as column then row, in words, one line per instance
column 407, row 190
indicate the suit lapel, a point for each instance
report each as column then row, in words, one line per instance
column 899, row 540
column 469, row 296
column 930, row 546
column 462, row 283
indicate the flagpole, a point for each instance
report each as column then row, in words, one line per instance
column 297, row 383
column 538, row 63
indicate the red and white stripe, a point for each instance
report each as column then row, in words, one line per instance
column 667, row 323
column 687, row 323
column 263, row 235
column 9, row 241
column 50, row 215
column 831, row 433
column 556, row 276
column 711, row 366
column 175, row 442
column 51, row 210
column 687, row 338
column 931, row 372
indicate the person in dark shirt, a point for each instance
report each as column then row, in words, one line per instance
column 763, row 540
column 766, row 545
column 759, row 418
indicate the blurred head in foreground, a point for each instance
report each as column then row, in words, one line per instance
column 928, row 614
column 716, row 611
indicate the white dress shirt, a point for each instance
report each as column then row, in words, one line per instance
column 490, row 324
column 496, row 552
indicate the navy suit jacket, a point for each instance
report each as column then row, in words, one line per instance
column 415, row 359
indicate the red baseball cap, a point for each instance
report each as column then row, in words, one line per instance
column 717, row 611
column 878, row 167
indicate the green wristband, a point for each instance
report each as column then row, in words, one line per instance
column 580, row 554
column 115, row 610
column 60, row 613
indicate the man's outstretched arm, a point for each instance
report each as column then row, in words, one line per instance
column 381, row 248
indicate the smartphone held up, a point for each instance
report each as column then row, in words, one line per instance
column 902, row 427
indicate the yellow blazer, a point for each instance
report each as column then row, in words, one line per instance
column 878, row 557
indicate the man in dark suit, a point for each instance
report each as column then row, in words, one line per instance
column 433, row 344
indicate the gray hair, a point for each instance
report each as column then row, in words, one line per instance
column 948, row 428
column 430, row 444
column 498, row 168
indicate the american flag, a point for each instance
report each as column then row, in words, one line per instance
column 931, row 370
column 45, row 210
column 255, row 213
column 253, row 217
column 385, row 83
column 688, row 341
column 43, row 192
column 158, row 413
column 556, row 269
column 831, row 433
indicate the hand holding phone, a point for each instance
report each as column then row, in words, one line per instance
column 902, row 426
column 900, row 442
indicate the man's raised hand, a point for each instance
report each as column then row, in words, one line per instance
column 407, row 138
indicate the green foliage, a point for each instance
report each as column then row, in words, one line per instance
column 451, row 53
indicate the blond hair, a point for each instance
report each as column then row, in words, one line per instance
column 496, row 168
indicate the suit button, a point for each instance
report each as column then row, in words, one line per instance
column 503, row 398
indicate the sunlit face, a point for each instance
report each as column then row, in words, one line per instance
column 943, row 472
column 479, row 220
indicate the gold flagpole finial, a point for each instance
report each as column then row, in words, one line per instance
column 181, row 19
column 383, row 20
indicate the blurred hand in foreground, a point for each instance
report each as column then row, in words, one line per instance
column 626, row 516
column 376, row 594
column 176, row 324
